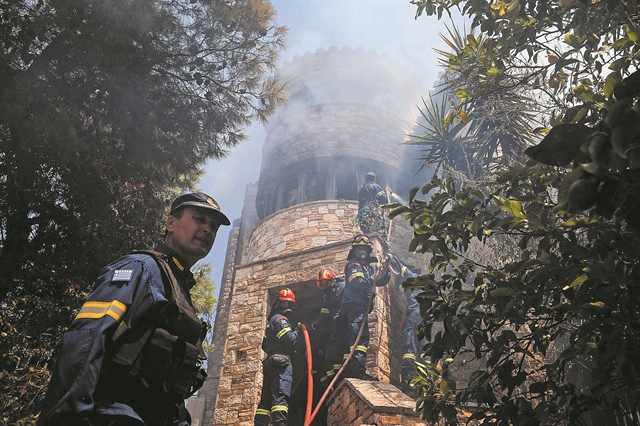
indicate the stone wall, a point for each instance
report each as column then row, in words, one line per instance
column 333, row 130
column 210, row 388
column 301, row 227
column 358, row 402
column 241, row 375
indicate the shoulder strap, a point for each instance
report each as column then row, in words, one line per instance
column 179, row 296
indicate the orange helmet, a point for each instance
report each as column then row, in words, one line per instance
column 286, row 295
column 325, row 278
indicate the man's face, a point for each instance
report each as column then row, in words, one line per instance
column 192, row 235
column 362, row 252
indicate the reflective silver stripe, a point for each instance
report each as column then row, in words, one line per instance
column 283, row 332
column 355, row 275
column 95, row 310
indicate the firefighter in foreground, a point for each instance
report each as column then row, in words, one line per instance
column 133, row 353
column 370, row 197
column 278, row 343
column 333, row 289
column 361, row 275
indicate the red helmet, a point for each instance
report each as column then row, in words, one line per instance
column 286, row 295
column 325, row 278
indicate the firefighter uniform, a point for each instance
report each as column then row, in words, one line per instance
column 411, row 321
column 370, row 197
column 278, row 343
column 331, row 302
column 133, row 353
column 353, row 312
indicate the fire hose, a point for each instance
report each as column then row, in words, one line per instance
column 309, row 418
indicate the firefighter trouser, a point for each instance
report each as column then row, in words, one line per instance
column 354, row 316
column 276, row 392
column 410, row 345
column 335, row 349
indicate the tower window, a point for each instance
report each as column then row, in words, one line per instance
column 346, row 185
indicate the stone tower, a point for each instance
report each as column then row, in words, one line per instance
column 348, row 113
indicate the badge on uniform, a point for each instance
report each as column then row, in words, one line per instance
column 122, row 275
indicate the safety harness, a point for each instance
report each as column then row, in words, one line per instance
column 166, row 356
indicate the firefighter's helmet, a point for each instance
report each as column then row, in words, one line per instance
column 286, row 295
column 326, row 277
column 361, row 240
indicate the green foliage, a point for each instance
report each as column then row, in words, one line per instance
column 571, row 296
column 202, row 296
column 485, row 127
column 107, row 110
column 551, row 314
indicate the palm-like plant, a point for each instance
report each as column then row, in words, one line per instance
column 479, row 131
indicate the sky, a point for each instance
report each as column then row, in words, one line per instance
column 386, row 27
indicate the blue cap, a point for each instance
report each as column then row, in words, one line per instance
column 201, row 200
column 370, row 177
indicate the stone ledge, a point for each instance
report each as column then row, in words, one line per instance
column 365, row 402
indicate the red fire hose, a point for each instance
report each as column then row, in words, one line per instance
column 344, row 364
column 307, row 415
column 308, row 418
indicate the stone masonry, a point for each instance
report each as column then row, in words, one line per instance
column 359, row 402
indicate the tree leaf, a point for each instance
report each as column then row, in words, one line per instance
column 579, row 280
column 561, row 145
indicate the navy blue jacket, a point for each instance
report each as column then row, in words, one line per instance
column 370, row 196
column 412, row 304
column 331, row 301
column 359, row 282
column 279, row 338
column 129, row 294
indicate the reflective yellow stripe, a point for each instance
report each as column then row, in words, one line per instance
column 325, row 311
column 403, row 270
column 263, row 412
column 323, row 379
column 361, row 348
column 119, row 331
column 336, row 367
column 380, row 193
column 345, row 356
column 330, row 373
column 409, row 356
column 355, row 275
column 94, row 310
column 283, row 332
column 280, row 408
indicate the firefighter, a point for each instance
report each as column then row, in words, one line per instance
column 333, row 289
column 278, row 343
column 133, row 353
column 412, row 319
column 370, row 197
column 360, row 275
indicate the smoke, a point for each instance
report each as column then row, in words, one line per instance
column 385, row 27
